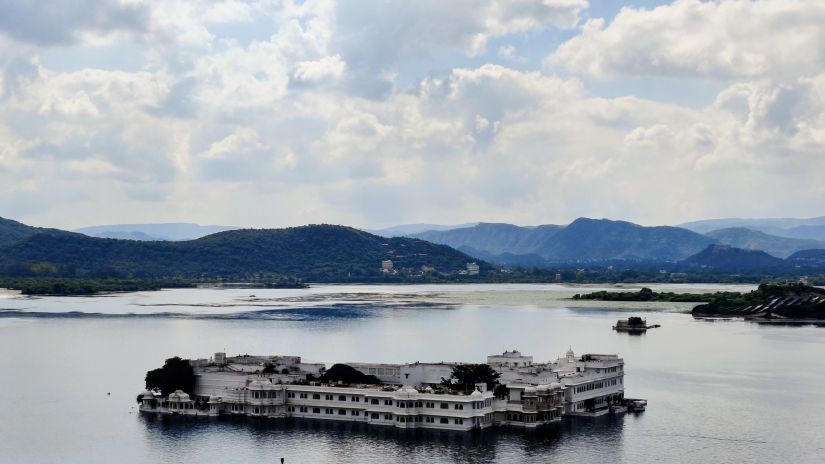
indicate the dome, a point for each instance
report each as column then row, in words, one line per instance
column 476, row 394
column 543, row 388
column 178, row 395
column 147, row 395
column 555, row 386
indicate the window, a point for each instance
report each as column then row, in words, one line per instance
column 445, row 406
column 400, row 404
column 316, row 396
column 303, row 409
column 328, row 397
column 444, row 420
column 430, row 405
column 458, row 406
column 356, row 399
column 303, row 395
column 316, row 410
column 387, row 416
column 374, row 401
column 342, row 398
column 355, row 413
column 342, row 412
column 418, row 404
column 387, row 402
column 374, row 415
column 459, row 421
column 330, row 411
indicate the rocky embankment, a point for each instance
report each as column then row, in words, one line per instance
column 790, row 301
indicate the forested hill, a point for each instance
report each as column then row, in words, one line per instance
column 315, row 253
column 12, row 232
column 583, row 240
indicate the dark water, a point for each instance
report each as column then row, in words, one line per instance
column 719, row 392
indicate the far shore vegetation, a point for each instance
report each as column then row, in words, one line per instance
column 791, row 300
column 646, row 294
column 34, row 282
column 68, row 286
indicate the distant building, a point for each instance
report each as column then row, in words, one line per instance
column 386, row 265
column 472, row 268
column 558, row 277
column 510, row 359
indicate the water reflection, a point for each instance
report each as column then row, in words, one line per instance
column 306, row 440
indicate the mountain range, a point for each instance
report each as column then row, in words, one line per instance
column 338, row 253
column 593, row 240
column 314, row 253
column 810, row 228
column 147, row 232
column 583, row 240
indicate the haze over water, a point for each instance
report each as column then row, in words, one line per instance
column 718, row 391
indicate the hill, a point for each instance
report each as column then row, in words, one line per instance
column 808, row 260
column 602, row 239
column 316, row 253
column 811, row 232
column 404, row 230
column 748, row 239
column 782, row 227
column 167, row 231
column 494, row 238
column 584, row 240
column 728, row 259
column 12, row 232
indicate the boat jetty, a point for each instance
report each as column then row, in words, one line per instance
column 523, row 393
column 633, row 325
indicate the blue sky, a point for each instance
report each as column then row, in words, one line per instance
column 372, row 113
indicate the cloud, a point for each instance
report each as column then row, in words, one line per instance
column 327, row 68
column 692, row 38
column 370, row 113
column 375, row 36
column 68, row 21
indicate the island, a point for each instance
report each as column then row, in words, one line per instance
column 785, row 301
column 510, row 390
column 769, row 302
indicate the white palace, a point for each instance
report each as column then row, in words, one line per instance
column 412, row 395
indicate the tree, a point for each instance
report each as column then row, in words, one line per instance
column 501, row 391
column 268, row 369
column 348, row 374
column 176, row 374
column 466, row 376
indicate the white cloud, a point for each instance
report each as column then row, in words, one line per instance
column 311, row 118
column 327, row 68
column 724, row 39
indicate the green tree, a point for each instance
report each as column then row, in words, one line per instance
column 466, row 376
column 501, row 391
column 176, row 374
column 348, row 374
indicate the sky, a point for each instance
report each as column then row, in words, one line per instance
column 372, row 113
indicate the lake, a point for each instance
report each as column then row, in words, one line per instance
column 719, row 391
